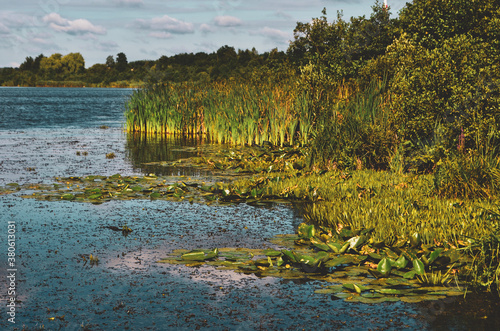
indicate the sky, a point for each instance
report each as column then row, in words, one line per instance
column 148, row 29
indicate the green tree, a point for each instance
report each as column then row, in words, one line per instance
column 73, row 63
column 110, row 61
column 455, row 86
column 430, row 23
column 121, row 62
column 51, row 66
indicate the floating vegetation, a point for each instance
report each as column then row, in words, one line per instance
column 110, row 155
column 363, row 271
column 93, row 260
column 388, row 221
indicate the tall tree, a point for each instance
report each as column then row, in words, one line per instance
column 121, row 62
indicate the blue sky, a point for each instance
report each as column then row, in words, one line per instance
column 148, row 29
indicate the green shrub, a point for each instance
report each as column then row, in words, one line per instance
column 456, row 85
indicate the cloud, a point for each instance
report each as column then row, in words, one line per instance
column 76, row 27
column 161, row 35
column 275, row 35
column 227, row 21
column 205, row 28
column 107, row 46
column 165, row 24
column 4, row 29
column 283, row 15
column 129, row 3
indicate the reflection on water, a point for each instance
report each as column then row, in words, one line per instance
column 144, row 149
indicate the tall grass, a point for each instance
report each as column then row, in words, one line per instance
column 355, row 131
column 228, row 112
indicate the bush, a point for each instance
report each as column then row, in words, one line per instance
column 456, row 85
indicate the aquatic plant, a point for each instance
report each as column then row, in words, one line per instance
column 225, row 112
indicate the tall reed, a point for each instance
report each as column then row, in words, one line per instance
column 225, row 112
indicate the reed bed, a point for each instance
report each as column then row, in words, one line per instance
column 228, row 112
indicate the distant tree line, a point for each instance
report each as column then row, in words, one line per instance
column 69, row 70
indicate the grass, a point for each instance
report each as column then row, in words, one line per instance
column 230, row 112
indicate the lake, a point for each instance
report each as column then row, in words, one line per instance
column 51, row 132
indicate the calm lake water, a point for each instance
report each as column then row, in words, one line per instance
column 41, row 131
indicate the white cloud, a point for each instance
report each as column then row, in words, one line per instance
column 227, row 21
column 275, row 35
column 161, row 35
column 76, row 27
column 165, row 24
column 205, row 28
column 4, row 29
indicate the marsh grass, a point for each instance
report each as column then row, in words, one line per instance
column 394, row 205
column 224, row 112
column 355, row 131
column 397, row 207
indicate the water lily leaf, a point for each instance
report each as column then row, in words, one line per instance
column 346, row 233
column 344, row 259
column 263, row 262
column 68, row 196
column 410, row 274
column 375, row 273
column 271, row 252
column 371, row 295
column 354, row 288
column 356, row 242
column 236, row 255
column 384, row 267
column 401, row 262
column 306, row 231
column 155, row 195
column 95, row 196
column 320, row 245
column 434, row 255
column 418, row 266
column 289, row 255
column 344, row 248
column 389, row 291
column 200, row 255
column 375, row 256
column 334, row 246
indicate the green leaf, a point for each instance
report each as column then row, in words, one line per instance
column 200, row 255
column 384, row 267
column 389, row 291
column 356, row 242
column 289, row 255
column 418, row 267
column 434, row 255
column 68, row 196
column 415, row 239
column 354, row 288
column 336, row 247
column 410, row 274
column 306, row 231
column 272, row 252
column 401, row 262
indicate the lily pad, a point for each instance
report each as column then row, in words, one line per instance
column 200, row 255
